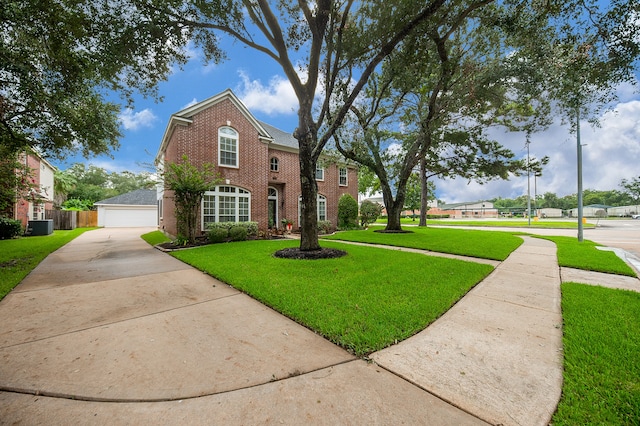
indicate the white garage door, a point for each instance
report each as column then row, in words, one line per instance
column 120, row 217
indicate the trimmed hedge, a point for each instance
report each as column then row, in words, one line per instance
column 238, row 233
column 218, row 235
column 251, row 227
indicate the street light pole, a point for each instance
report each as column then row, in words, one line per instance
column 528, row 182
column 579, row 149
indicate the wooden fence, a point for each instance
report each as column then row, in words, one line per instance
column 68, row 219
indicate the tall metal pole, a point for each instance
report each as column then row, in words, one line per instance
column 528, row 183
column 580, row 227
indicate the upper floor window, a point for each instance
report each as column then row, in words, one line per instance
column 227, row 147
column 342, row 181
column 274, row 164
column 319, row 173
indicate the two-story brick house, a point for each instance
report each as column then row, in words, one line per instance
column 40, row 199
column 257, row 162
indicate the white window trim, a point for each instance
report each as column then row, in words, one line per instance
column 346, row 176
column 318, row 199
column 217, row 194
column 237, row 139
column 320, row 169
column 277, row 163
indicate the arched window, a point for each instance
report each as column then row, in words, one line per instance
column 227, row 147
column 274, row 164
column 226, row 204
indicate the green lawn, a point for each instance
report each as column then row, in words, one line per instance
column 481, row 244
column 155, row 237
column 584, row 255
column 19, row 256
column 358, row 301
column 601, row 337
column 507, row 223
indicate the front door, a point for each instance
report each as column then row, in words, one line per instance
column 273, row 208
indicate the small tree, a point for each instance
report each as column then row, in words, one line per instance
column 189, row 184
column 347, row 212
column 369, row 212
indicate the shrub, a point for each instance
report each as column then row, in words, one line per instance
column 324, row 226
column 251, row 227
column 369, row 212
column 218, row 235
column 347, row 212
column 238, row 233
column 9, row 228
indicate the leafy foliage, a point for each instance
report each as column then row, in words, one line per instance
column 9, row 228
column 347, row 212
column 188, row 184
column 369, row 212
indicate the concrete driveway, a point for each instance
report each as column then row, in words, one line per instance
column 108, row 330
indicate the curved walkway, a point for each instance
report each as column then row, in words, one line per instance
column 109, row 330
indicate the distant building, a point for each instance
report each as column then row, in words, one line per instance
column 467, row 210
column 592, row 210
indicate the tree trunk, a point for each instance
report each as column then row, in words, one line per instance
column 309, row 186
column 394, row 208
column 425, row 192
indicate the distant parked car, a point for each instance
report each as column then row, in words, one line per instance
column 635, row 216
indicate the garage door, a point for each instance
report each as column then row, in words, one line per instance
column 128, row 217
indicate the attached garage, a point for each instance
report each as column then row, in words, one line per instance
column 134, row 209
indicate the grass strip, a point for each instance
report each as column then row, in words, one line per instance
column 464, row 242
column 155, row 237
column 584, row 255
column 364, row 301
column 18, row 256
column 601, row 356
column 506, row 223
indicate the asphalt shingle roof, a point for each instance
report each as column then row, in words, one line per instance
column 280, row 137
column 139, row 197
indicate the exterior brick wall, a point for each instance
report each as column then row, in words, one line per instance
column 199, row 142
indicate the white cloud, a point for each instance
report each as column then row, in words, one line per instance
column 192, row 102
column 277, row 97
column 610, row 153
column 136, row 120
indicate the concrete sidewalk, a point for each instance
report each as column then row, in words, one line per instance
column 110, row 331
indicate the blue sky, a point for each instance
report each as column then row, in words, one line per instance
column 611, row 152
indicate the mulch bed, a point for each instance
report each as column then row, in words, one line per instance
column 323, row 253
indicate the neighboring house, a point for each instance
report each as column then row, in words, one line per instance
column 592, row 210
column 134, row 209
column 33, row 207
column 468, row 210
column 258, row 163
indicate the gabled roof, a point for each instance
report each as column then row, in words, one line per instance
column 265, row 131
column 139, row 197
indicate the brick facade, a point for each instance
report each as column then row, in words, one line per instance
column 194, row 132
column 42, row 175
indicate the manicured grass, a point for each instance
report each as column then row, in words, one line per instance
column 584, row 255
column 601, row 356
column 155, row 237
column 507, row 223
column 481, row 244
column 364, row 301
column 20, row 255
